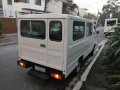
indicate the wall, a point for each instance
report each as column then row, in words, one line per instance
column 54, row 7
column 9, row 25
column 82, row 11
column 19, row 6
column 8, row 9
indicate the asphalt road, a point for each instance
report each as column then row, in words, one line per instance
column 13, row 77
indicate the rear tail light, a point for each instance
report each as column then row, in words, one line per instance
column 56, row 76
column 21, row 64
column 24, row 64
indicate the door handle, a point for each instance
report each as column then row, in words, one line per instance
column 43, row 45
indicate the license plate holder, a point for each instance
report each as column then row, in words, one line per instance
column 41, row 69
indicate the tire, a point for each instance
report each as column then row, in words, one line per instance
column 77, row 69
column 92, row 52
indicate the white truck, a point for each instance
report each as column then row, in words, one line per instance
column 109, row 25
column 54, row 44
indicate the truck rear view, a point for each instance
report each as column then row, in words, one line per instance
column 41, row 44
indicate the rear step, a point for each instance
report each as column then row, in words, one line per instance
column 38, row 74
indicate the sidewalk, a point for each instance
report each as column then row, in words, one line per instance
column 8, row 39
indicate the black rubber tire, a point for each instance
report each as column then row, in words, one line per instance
column 92, row 52
column 77, row 69
column 80, row 61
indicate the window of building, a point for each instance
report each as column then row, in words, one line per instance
column 9, row 2
column 78, row 30
column 38, row 2
column 55, row 32
column 89, row 29
column 33, row 29
column 0, row 3
column 24, row 1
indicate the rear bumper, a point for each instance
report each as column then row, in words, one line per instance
column 49, row 71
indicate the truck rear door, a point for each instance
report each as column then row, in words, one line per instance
column 55, row 43
column 33, row 41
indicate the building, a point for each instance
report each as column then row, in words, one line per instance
column 56, row 6
column 83, row 11
column 9, row 7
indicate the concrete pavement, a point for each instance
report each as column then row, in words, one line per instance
column 8, row 39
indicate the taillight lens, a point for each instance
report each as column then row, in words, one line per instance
column 57, row 76
column 21, row 64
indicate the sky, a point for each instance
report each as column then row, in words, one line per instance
column 91, row 5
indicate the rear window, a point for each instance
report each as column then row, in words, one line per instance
column 33, row 29
column 111, row 22
column 55, row 32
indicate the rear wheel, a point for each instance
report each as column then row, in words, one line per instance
column 92, row 52
column 77, row 69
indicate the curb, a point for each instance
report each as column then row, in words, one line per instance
column 9, row 43
column 86, row 73
column 11, row 34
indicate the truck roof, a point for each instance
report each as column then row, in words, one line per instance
column 50, row 15
column 112, row 19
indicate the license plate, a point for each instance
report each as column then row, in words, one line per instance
column 41, row 69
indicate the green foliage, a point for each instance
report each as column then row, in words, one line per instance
column 115, row 86
column 70, row 8
column 114, row 42
column 90, row 16
column 113, row 79
column 112, row 51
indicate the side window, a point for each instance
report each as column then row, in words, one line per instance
column 38, row 2
column 33, row 29
column 89, row 29
column 25, row 28
column 78, row 30
column 55, row 32
column 9, row 2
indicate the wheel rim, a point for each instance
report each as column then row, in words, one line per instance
column 78, row 68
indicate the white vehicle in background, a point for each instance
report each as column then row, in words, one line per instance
column 54, row 44
column 109, row 25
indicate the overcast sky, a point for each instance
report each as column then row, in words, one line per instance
column 91, row 5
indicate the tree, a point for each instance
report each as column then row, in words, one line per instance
column 110, row 8
column 90, row 16
column 70, row 8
